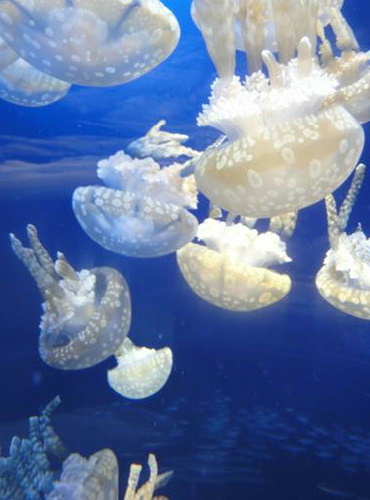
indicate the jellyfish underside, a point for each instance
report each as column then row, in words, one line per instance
column 98, row 43
column 230, row 271
column 86, row 314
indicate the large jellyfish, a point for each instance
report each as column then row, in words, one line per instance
column 141, row 211
column 100, row 43
column 86, row 314
column 231, row 269
column 344, row 278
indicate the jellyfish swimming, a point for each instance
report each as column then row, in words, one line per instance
column 344, row 278
column 285, row 145
column 86, row 314
column 101, row 43
column 231, row 269
column 141, row 212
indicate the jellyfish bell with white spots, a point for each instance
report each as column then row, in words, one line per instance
column 285, row 146
column 86, row 314
column 101, row 43
column 344, row 278
column 232, row 269
column 141, row 212
column 140, row 371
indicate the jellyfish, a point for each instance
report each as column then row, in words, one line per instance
column 141, row 212
column 86, row 314
column 286, row 145
column 231, row 269
column 256, row 25
column 100, row 43
column 140, row 371
column 344, row 278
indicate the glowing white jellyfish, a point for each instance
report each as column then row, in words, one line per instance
column 141, row 211
column 140, row 371
column 230, row 270
column 344, row 279
column 286, row 146
column 256, row 25
column 86, row 314
column 100, row 43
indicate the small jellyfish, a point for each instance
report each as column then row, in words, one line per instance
column 140, row 372
column 141, row 211
column 287, row 145
column 86, row 314
column 100, row 43
column 344, row 278
column 230, row 270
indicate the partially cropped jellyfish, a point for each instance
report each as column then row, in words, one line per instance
column 140, row 371
column 141, row 212
column 86, row 314
column 344, row 278
column 286, row 145
column 256, row 25
column 100, row 43
column 231, row 269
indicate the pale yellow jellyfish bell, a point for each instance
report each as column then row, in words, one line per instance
column 344, row 278
column 230, row 271
column 86, row 314
column 98, row 43
column 283, row 150
column 141, row 372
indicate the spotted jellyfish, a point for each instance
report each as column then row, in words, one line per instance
column 100, row 43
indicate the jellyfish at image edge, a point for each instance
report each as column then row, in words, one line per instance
column 344, row 278
column 286, row 146
column 141, row 212
column 231, row 269
column 100, row 43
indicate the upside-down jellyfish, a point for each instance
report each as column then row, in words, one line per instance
column 230, row 271
column 256, row 25
column 285, row 149
column 100, row 43
column 86, row 314
column 140, row 371
column 344, row 278
column 141, row 213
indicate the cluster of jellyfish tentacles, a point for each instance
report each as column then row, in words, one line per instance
column 290, row 136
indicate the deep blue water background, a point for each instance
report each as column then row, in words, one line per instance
column 246, row 389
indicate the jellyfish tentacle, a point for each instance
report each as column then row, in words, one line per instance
column 351, row 196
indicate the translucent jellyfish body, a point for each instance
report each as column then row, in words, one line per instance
column 100, row 43
column 141, row 213
column 344, row 279
column 286, row 146
column 86, row 314
column 230, row 271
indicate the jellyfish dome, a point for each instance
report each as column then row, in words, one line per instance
column 141, row 211
column 230, row 270
column 286, row 144
column 101, row 43
column 86, row 314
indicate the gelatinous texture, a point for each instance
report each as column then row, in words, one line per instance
column 230, row 271
column 94, row 478
column 287, row 145
column 140, row 372
column 86, row 315
column 141, row 213
column 100, row 43
column 256, row 25
column 155, row 481
column 344, row 279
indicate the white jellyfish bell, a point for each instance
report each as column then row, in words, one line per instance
column 100, row 43
column 86, row 314
column 231, row 269
column 344, row 278
column 141, row 212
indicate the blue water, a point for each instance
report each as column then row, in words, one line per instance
column 270, row 404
